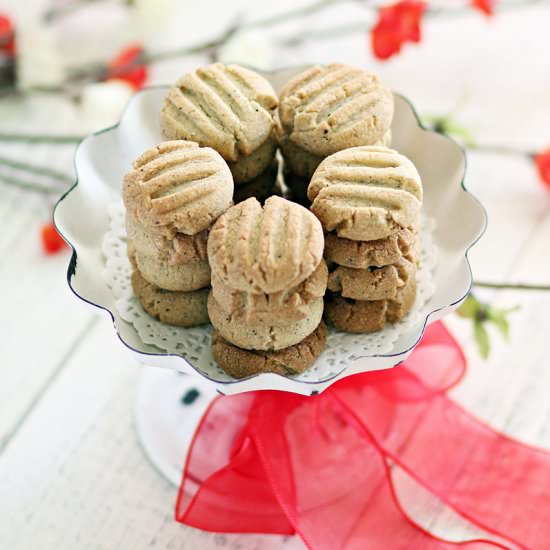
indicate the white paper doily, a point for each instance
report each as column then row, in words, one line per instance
column 194, row 343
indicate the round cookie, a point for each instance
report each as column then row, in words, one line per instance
column 178, row 187
column 363, row 316
column 248, row 168
column 297, row 186
column 325, row 109
column 261, row 187
column 379, row 283
column 405, row 243
column 265, row 335
column 291, row 304
column 228, row 108
column 177, row 249
column 301, row 162
column 182, row 309
column 366, row 193
column 265, row 250
column 295, row 359
column 181, row 277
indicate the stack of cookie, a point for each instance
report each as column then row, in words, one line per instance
column 324, row 110
column 173, row 194
column 368, row 200
column 268, row 282
column 230, row 109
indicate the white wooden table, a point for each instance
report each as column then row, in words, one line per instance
column 72, row 474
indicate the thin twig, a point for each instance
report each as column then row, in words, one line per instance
column 41, row 138
column 500, row 150
column 36, row 169
column 511, row 286
column 29, row 185
column 50, row 15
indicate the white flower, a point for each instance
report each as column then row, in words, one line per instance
column 152, row 15
column 252, row 48
column 39, row 60
column 102, row 103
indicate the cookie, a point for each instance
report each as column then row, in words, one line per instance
column 291, row 304
column 297, row 187
column 178, row 187
column 176, row 249
column 294, row 359
column 404, row 243
column 363, row 316
column 228, row 108
column 248, row 168
column 265, row 335
column 183, row 277
column 325, row 109
column 182, row 309
column 377, row 283
column 366, row 193
column 265, row 250
column 261, row 187
column 301, row 162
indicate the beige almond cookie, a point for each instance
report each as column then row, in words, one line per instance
column 297, row 187
column 378, row 283
column 182, row 309
column 291, row 304
column 363, row 316
column 328, row 108
column 183, row 277
column 366, row 193
column 178, row 187
column 295, row 359
column 261, row 187
column 301, row 162
column 405, row 243
column 175, row 249
column 228, row 108
column 265, row 249
column 264, row 335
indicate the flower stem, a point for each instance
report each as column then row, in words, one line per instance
column 29, row 185
column 36, row 169
column 500, row 150
column 511, row 286
column 41, row 138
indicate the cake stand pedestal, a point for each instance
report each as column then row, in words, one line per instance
column 168, row 408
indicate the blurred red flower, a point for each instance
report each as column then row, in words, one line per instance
column 485, row 6
column 7, row 36
column 52, row 241
column 127, row 66
column 397, row 23
column 542, row 160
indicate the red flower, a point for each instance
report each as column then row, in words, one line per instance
column 127, row 66
column 7, row 36
column 485, row 6
column 397, row 24
column 52, row 241
column 542, row 160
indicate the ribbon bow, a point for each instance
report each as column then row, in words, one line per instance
column 321, row 467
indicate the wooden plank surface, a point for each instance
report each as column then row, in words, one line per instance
column 71, row 470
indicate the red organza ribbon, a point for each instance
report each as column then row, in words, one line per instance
column 274, row 462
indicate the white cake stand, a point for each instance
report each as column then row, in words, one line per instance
column 171, row 400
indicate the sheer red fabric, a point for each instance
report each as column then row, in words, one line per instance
column 274, row 462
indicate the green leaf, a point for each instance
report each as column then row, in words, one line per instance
column 482, row 338
column 469, row 307
column 498, row 318
column 461, row 132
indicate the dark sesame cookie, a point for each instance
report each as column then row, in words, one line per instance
column 294, row 359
